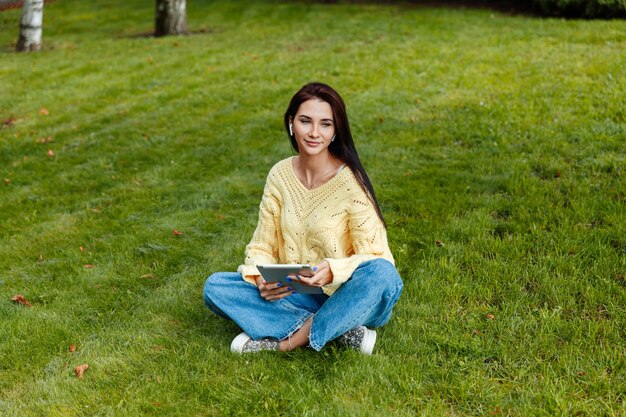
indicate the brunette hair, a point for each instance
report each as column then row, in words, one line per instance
column 343, row 146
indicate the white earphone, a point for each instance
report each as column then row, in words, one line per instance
column 333, row 139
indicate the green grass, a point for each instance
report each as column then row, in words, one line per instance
column 503, row 137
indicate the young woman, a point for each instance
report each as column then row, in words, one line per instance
column 318, row 208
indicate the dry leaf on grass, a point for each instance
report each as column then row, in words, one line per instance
column 50, row 153
column 148, row 276
column 19, row 298
column 72, row 348
column 177, row 233
column 80, row 370
column 81, row 249
column 497, row 411
column 438, row 243
column 44, row 111
column 7, row 181
column 490, row 316
column 89, row 266
column 46, row 139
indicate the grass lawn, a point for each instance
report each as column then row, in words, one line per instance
column 502, row 137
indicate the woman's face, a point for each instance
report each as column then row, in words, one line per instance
column 313, row 127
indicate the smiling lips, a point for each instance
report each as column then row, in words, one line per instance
column 312, row 144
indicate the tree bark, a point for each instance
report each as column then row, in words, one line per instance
column 171, row 17
column 31, row 26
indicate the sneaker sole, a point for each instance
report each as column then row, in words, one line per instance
column 369, row 340
column 236, row 346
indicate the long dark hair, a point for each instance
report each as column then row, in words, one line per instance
column 342, row 147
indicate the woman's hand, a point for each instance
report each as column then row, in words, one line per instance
column 323, row 275
column 272, row 291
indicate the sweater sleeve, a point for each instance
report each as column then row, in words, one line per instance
column 368, row 238
column 263, row 248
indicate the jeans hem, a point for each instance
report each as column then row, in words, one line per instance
column 316, row 346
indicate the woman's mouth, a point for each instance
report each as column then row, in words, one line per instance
column 312, row 144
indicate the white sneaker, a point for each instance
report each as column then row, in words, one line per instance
column 360, row 338
column 244, row 344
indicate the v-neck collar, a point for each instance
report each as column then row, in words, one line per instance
column 292, row 170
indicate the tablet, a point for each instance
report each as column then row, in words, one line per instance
column 279, row 272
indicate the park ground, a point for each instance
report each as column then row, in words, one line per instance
column 132, row 167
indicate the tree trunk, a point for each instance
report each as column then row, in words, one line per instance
column 31, row 26
column 171, row 17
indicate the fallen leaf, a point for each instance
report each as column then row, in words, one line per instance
column 81, row 249
column 558, row 173
column 477, row 332
column 581, row 373
column 46, row 139
column 72, row 348
column 89, row 266
column 490, row 316
column 8, row 122
column 7, row 181
column 50, row 153
column 497, row 411
column 438, row 243
column 148, row 276
column 44, row 111
column 381, row 119
column 19, row 298
column 80, row 370
column 177, row 233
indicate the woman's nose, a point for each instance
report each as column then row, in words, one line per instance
column 314, row 130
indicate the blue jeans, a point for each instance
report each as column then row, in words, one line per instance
column 367, row 298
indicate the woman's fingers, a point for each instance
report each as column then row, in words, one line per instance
column 323, row 275
column 275, row 291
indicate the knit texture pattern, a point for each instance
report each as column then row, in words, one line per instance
column 336, row 222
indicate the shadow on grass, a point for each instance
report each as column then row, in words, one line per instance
column 501, row 6
column 529, row 8
column 151, row 34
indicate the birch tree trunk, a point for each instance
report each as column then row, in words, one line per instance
column 31, row 26
column 171, row 17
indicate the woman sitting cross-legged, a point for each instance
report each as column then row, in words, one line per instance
column 318, row 208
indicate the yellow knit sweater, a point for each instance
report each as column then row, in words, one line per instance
column 336, row 222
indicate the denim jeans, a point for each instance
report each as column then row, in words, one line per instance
column 367, row 298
